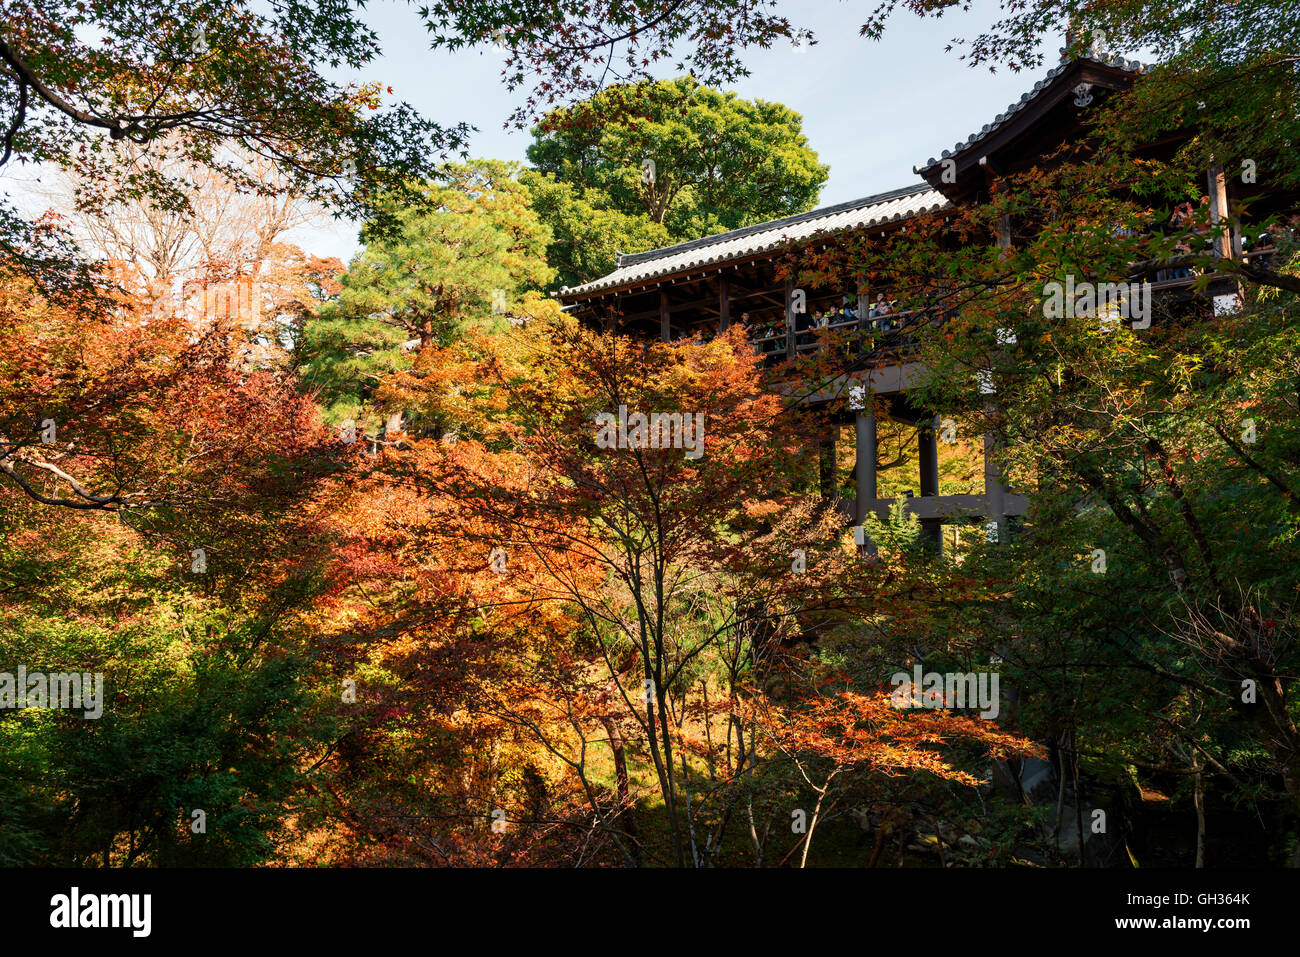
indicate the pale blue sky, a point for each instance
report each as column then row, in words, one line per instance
column 871, row 110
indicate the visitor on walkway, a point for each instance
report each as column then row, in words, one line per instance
column 1181, row 221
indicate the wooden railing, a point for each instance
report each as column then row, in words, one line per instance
column 859, row 334
column 892, row 330
column 1176, row 277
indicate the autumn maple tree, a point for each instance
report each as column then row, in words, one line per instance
column 637, row 599
column 162, row 526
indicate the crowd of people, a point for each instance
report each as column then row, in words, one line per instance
column 1186, row 222
column 771, row 336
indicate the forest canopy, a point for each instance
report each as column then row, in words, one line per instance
column 409, row 561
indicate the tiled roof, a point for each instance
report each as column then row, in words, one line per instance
column 902, row 203
column 1129, row 66
column 895, row 204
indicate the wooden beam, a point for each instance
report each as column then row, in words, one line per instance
column 789, row 318
column 865, row 457
column 887, row 380
column 928, row 454
column 708, row 302
column 665, row 316
column 949, row 507
column 724, row 303
column 1218, row 188
column 995, row 492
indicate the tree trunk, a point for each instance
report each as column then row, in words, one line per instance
column 626, row 813
column 1198, row 798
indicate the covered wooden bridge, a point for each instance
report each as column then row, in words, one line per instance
column 705, row 285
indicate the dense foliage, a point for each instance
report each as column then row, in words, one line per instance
column 377, row 578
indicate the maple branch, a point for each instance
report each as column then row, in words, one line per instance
column 28, row 76
column 19, row 116
column 1263, row 470
column 1237, row 267
column 87, row 501
column 668, row 11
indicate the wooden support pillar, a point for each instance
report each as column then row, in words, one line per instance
column 993, row 487
column 865, row 469
column 928, row 441
column 665, row 316
column 826, row 478
column 865, row 460
column 724, row 303
column 1219, row 212
column 789, row 318
column 928, row 437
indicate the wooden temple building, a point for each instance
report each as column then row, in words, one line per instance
column 709, row 283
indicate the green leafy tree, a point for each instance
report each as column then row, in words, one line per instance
column 84, row 85
column 691, row 158
column 1147, row 607
column 586, row 236
column 474, row 253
